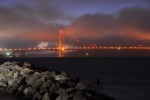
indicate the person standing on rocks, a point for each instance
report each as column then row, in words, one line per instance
column 98, row 82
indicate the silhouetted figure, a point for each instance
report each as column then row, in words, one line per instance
column 98, row 82
column 77, row 79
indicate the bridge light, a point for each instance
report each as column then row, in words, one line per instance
column 62, row 49
column 29, row 48
column 84, row 47
column 119, row 48
column 100, row 47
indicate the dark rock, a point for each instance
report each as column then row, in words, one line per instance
column 10, row 63
column 46, row 96
column 28, row 91
column 36, row 80
column 21, row 88
column 64, row 85
column 46, row 86
column 70, row 90
column 63, row 73
column 80, row 86
column 60, row 91
column 70, row 83
column 2, row 76
column 79, row 96
column 49, row 75
column 61, row 78
column 25, row 64
column 3, row 84
column 37, row 96
column 55, row 86
column 63, row 96
column 54, row 96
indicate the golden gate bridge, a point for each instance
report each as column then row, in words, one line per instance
column 61, row 49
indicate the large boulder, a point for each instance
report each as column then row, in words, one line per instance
column 55, row 86
column 80, row 86
column 63, row 96
column 37, row 96
column 46, row 96
column 46, row 86
column 79, row 96
column 3, row 84
column 28, row 91
column 35, row 79
column 61, row 78
column 2, row 76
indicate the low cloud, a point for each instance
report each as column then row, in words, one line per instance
column 128, row 23
column 21, row 18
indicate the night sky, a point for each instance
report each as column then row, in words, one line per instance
column 25, row 23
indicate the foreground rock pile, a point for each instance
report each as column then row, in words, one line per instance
column 25, row 81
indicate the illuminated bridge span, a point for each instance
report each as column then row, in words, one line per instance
column 60, row 51
column 60, row 48
column 79, row 48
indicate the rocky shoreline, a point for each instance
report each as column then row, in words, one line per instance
column 23, row 80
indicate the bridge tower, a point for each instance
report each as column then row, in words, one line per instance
column 60, row 45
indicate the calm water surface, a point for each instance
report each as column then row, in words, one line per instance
column 123, row 78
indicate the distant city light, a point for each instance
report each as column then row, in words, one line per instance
column 8, row 53
column 87, row 54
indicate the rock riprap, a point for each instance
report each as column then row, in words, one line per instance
column 33, row 83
